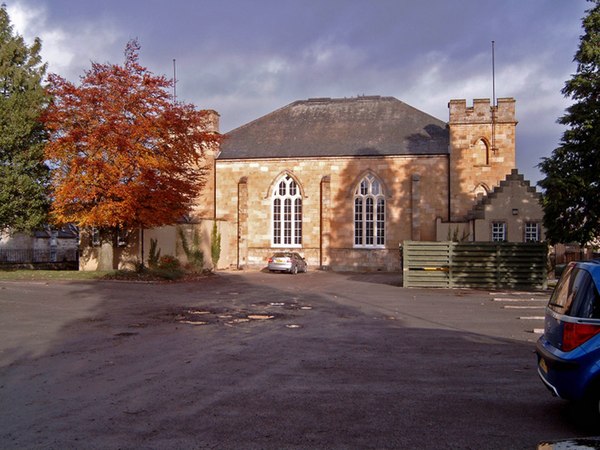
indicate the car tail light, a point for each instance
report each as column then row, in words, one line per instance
column 270, row 260
column 575, row 334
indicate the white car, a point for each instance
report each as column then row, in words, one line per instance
column 287, row 262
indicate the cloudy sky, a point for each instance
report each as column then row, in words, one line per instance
column 246, row 58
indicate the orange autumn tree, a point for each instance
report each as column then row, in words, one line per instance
column 124, row 156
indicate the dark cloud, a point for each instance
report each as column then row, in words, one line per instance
column 247, row 58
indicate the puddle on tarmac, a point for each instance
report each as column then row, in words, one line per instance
column 263, row 311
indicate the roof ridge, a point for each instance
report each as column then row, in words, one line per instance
column 346, row 99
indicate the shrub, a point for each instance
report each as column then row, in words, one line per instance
column 154, row 255
column 168, row 268
column 215, row 245
column 168, row 262
column 194, row 255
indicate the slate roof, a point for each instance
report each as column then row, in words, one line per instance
column 360, row 126
column 66, row 232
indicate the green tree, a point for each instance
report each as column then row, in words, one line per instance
column 23, row 173
column 572, row 173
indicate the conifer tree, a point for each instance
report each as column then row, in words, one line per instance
column 572, row 173
column 23, row 173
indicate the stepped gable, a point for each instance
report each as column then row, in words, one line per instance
column 479, row 209
column 360, row 126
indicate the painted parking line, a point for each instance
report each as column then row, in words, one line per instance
column 509, row 300
column 523, row 307
column 513, row 301
column 518, row 293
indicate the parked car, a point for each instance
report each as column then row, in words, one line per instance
column 287, row 262
column 568, row 352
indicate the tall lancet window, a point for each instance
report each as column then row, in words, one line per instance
column 369, row 213
column 287, row 213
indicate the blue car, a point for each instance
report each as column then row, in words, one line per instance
column 569, row 350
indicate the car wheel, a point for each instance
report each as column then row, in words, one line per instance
column 294, row 270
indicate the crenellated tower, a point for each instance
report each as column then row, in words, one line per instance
column 482, row 150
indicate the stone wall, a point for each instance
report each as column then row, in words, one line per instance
column 515, row 203
column 204, row 203
column 415, row 187
column 108, row 256
column 482, row 149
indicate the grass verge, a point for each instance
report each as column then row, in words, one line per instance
column 122, row 275
column 46, row 275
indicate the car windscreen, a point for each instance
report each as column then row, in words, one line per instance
column 576, row 294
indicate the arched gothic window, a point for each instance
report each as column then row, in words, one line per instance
column 369, row 213
column 481, row 153
column 287, row 213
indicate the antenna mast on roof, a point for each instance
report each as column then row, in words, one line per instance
column 493, row 75
column 174, row 82
column 494, row 106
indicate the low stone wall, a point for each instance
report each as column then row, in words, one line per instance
column 365, row 260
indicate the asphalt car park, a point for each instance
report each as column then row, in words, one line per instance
column 258, row 360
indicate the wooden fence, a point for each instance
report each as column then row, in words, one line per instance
column 488, row 265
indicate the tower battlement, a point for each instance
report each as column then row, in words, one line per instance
column 481, row 111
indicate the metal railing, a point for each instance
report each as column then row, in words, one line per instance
column 31, row 256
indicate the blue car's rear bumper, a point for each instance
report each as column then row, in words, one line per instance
column 566, row 374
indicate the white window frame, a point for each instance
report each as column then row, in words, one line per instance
column 286, row 213
column 498, row 231
column 369, row 209
column 532, row 232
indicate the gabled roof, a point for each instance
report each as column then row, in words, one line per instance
column 68, row 231
column 361, row 126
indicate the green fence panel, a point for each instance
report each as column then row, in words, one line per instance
column 427, row 264
column 487, row 265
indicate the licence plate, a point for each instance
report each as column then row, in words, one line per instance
column 279, row 260
column 543, row 365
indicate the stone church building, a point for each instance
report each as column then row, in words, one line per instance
column 345, row 182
